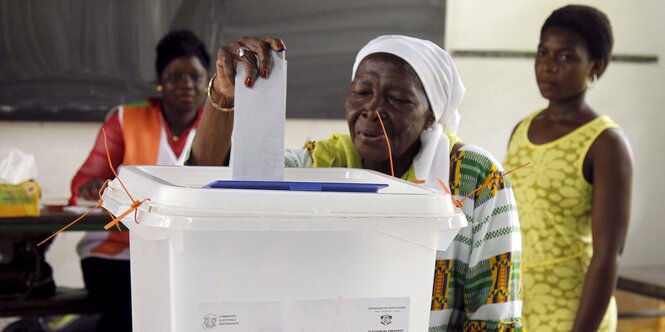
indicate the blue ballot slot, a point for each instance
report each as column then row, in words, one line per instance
column 298, row 186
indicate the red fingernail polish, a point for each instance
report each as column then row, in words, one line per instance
column 280, row 46
column 264, row 73
column 248, row 82
column 233, row 81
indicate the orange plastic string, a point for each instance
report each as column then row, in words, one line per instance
column 99, row 203
column 101, row 190
column 135, row 205
column 70, row 224
column 115, row 220
column 455, row 201
column 491, row 181
column 390, row 152
column 108, row 157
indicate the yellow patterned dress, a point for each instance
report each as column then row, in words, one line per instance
column 554, row 203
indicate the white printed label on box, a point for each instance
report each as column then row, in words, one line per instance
column 358, row 315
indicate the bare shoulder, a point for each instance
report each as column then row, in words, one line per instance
column 613, row 141
column 612, row 148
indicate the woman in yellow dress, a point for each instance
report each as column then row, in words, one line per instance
column 574, row 198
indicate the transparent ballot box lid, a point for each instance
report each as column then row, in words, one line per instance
column 334, row 199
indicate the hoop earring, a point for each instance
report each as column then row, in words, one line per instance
column 159, row 88
column 592, row 81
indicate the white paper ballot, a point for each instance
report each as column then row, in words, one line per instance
column 257, row 149
column 338, row 315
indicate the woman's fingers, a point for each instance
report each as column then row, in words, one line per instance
column 255, row 56
column 226, row 71
column 248, row 56
column 86, row 194
column 263, row 47
column 275, row 43
column 90, row 189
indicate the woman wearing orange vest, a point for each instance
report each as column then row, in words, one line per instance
column 155, row 132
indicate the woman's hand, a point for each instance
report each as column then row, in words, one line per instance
column 254, row 53
column 90, row 190
column 212, row 142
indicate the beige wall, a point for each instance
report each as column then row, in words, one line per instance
column 500, row 92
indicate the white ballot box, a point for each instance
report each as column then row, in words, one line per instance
column 343, row 250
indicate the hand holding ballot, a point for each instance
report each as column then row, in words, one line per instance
column 254, row 54
column 212, row 147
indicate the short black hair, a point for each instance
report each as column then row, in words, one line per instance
column 179, row 43
column 588, row 22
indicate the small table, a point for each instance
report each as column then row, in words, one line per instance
column 52, row 219
column 648, row 280
column 65, row 300
column 644, row 280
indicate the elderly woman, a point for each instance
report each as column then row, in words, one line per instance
column 412, row 87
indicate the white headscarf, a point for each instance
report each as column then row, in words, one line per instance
column 444, row 90
column 434, row 67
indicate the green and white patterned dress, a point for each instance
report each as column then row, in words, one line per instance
column 477, row 282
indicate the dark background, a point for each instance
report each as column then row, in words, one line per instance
column 73, row 60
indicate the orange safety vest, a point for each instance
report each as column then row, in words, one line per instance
column 141, row 131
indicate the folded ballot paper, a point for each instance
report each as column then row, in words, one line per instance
column 257, row 150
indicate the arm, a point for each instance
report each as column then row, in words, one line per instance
column 484, row 288
column 612, row 180
column 95, row 170
column 212, row 143
column 497, row 246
